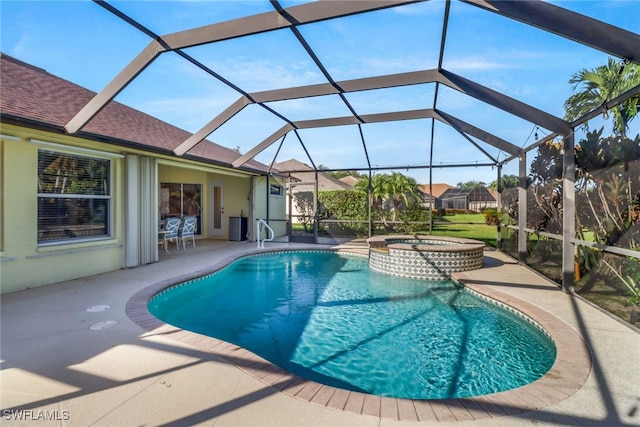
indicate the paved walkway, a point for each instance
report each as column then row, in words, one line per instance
column 70, row 352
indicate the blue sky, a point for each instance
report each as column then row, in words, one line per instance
column 83, row 43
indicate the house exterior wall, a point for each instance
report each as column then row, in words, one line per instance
column 236, row 198
column 25, row 264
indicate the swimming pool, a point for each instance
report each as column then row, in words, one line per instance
column 327, row 317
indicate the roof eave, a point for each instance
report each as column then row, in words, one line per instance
column 58, row 129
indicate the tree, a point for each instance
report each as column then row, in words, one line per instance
column 471, row 184
column 340, row 174
column 304, row 204
column 594, row 88
column 395, row 188
column 508, row 181
column 544, row 184
column 608, row 184
column 401, row 189
column 376, row 195
column 607, row 179
column 608, row 172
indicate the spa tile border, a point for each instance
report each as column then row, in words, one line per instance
column 569, row 372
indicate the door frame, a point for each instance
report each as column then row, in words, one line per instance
column 214, row 231
column 297, row 237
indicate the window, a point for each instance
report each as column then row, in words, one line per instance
column 74, row 197
column 275, row 189
column 179, row 200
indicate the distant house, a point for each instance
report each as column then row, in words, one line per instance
column 432, row 198
column 472, row 199
column 303, row 177
column 350, row 180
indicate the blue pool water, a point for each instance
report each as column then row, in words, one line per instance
column 326, row 317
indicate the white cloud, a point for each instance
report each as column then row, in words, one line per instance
column 475, row 63
column 263, row 74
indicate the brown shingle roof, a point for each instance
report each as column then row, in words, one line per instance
column 28, row 93
column 292, row 165
column 437, row 188
column 325, row 182
column 350, row 180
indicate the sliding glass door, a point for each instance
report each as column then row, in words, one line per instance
column 180, row 200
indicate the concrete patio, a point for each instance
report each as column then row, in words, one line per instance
column 84, row 353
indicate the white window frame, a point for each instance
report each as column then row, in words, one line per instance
column 84, row 153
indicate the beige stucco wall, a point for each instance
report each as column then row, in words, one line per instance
column 24, row 264
column 236, row 197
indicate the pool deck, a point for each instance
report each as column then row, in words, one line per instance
column 78, row 366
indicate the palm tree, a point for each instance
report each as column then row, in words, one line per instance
column 378, row 192
column 600, row 85
column 399, row 188
column 376, row 196
column 395, row 188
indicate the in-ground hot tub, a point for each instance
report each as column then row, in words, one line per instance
column 424, row 257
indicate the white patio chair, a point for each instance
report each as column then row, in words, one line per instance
column 170, row 232
column 188, row 230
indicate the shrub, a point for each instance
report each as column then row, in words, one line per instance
column 414, row 213
column 491, row 217
column 344, row 205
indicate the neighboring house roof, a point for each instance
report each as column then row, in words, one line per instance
column 296, row 169
column 437, row 188
column 477, row 194
column 292, row 165
column 32, row 97
column 350, row 180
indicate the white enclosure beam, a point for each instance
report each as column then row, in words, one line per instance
column 482, row 135
column 255, row 24
column 522, row 208
column 568, row 213
column 262, row 146
column 214, row 124
column 114, row 87
column 505, row 103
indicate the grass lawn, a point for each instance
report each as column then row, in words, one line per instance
column 468, row 218
column 469, row 226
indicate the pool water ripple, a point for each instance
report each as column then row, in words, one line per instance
column 328, row 318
